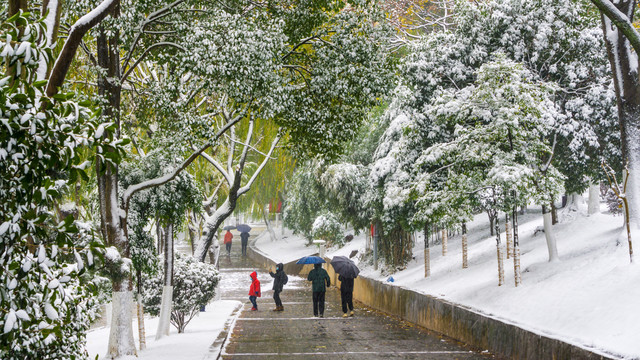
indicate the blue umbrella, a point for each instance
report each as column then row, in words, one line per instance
column 244, row 228
column 311, row 260
column 228, row 227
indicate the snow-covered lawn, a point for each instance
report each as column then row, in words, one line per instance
column 590, row 297
column 194, row 343
column 288, row 248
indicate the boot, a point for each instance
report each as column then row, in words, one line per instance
column 281, row 308
column 277, row 308
column 352, row 313
column 345, row 315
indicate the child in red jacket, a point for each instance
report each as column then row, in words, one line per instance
column 254, row 290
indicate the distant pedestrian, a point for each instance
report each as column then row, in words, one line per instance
column 346, row 295
column 254, row 290
column 280, row 279
column 228, row 238
column 319, row 277
column 244, row 240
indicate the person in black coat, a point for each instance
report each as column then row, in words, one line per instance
column 346, row 294
column 244, row 240
column 280, row 279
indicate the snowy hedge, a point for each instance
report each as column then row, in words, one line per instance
column 328, row 228
column 194, row 285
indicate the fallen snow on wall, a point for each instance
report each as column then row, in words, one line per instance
column 589, row 298
column 193, row 344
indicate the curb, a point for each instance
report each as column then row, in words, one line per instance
column 215, row 351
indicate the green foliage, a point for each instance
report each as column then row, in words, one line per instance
column 47, row 300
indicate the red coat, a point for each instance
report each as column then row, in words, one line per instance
column 254, row 290
column 228, row 237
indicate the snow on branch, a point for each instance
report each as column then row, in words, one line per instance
column 77, row 32
column 245, row 151
column 218, row 166
column 620, row 20
column 131, row 190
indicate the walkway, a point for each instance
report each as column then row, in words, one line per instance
column 296, row 334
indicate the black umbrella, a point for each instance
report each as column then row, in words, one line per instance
column 244, row 228
column 345, row 267
column 228, row 227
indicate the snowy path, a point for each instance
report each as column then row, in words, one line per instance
column 294, row 333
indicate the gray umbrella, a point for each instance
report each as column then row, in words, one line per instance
column 345, row 267
column 228, row 227
column 244, row 228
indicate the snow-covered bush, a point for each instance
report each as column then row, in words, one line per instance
column 47, row 301
column 194, row 285
column 327, row 227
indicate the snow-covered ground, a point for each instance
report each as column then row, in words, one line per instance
column 193, row 344
column 589, row 298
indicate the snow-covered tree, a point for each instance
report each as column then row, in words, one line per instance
column 621, row 36
column 47, row 299
column 327, row 227
column 500, row 145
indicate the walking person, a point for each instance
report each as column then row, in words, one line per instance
column 244, row 240
column 280, row 279
column 346, row 295
column 254, row 290
column 228, row 238
column 319, row 278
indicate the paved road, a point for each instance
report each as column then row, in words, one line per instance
column 296, row 334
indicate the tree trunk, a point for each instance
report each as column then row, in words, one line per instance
column 499, row 250
column 141, row 332
column 465, row 263
column 516, row 249
column 554, row 214
column 492, row 219
column 594, row 199
column 121, row 341
column 624, row 65
column 507, row 228
column 427, row 255
column 445, row 239
column 549, row 235
column 167, row 289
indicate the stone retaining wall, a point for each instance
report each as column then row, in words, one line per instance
column 477, row 330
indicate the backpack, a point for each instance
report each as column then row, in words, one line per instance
column 286, row 279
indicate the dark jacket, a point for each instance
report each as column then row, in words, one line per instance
column 254, row 289
column 244, row 237
column 280, row 277
column 346, row 284
column 318, row 277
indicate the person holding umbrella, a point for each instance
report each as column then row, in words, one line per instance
column 244, row 237
column 347, row 271
column 346, row 295
column 319, row 277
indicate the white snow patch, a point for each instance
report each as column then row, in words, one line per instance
column 193, row 344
